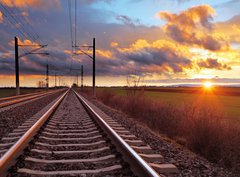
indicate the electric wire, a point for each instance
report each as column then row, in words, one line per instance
column 7, row 15
column 70, row 23
column 75, row 24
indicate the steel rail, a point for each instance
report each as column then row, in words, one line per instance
column 20, row 96
column 29, row 97
column 137, row 164
column 11, row 155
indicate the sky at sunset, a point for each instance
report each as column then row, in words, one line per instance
column 163, row 41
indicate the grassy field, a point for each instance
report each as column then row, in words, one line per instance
column 204, row 120
column 230, row 105
column 226, row 99
column 6, row 92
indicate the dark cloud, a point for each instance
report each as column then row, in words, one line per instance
column 127, row 20
column 34, row 64
column 37, row 4
column 213, row 64
column 157, row 58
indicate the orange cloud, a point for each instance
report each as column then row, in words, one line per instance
column 169, row 57
column 230, row 29
column 32, row 3
column 193, row 27
column 1, row 17
column 114, row 44
column 140, row 43
column 105, row 53
column 69, row 52
column 24, row 42
column 191, row 17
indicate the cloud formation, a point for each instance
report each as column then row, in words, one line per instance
column 121, row 49
column 193, row 27
column 1, row 17
column 160, row 56
column 211, row 63
column 32, row 3
column 127, row 20
column 230, row 28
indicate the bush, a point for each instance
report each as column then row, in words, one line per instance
column 201, row 125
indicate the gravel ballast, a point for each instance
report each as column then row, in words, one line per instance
column 11, row 118
column 188, row 163
column 70, row 116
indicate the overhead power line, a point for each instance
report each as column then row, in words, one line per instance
column 70, row 22
column 75, row 23
column 18, row 21
column 12, row 20
column 26, row 25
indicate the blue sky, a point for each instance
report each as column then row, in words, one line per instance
column 145, row 10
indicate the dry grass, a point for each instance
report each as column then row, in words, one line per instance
column 202, row 128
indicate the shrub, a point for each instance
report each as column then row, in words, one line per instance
column 201, row 125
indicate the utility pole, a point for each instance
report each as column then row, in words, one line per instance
column 17, row 57
column 82, row 78
column 77, row 79
column 47, row 77
column 94, row 90
column 59, row 77
column 17, row 66
column 93, row 57
column 55, row 80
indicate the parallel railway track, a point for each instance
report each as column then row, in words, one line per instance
column 75, row 138
column 19, row 96
column 8, row 101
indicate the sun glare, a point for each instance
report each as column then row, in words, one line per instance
column 208, row 85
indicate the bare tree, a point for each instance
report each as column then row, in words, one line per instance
column 133, row 84
column 41, row 84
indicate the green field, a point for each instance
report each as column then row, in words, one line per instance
column 226, row 99
column 230, row 104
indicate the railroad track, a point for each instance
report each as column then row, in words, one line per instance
column 9, row 101
column 19, row 96
column 75, row 138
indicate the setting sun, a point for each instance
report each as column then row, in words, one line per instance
column 208, row 85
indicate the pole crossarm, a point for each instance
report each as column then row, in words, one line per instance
column 34, row 51
column 93, row 57
column 32, row 45
column 79, row 46
column 83, row 52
